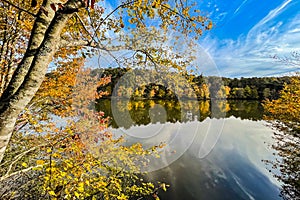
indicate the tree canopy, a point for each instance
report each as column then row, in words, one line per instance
column 40, row 36
column 204, row 87
column 43, row 32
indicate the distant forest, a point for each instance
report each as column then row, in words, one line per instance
column 203, row 87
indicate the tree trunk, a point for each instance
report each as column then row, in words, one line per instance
column 23, row 88
column 37, row 35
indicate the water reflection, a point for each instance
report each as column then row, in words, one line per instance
column 232, row 169
column 143, row 112
column 205, row 158
column 287, row 168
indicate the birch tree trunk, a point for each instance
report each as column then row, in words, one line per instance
column 43, row 43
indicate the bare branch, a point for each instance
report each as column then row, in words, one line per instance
column 96, row 45
column 111, row 55
column 78, row 43
column 18, row 157
column 293, row 59
column 148, row 56
column 20, row 172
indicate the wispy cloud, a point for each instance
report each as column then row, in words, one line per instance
column 272, row 14
column 237, row 10
column 250, row 54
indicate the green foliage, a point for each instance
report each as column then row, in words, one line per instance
column 238, row 93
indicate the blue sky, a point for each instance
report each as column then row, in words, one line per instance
column 246, row 34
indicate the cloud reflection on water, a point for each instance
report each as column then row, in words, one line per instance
column 231, row 170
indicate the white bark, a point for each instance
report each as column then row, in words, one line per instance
column 43, row 44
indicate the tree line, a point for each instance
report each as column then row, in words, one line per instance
column 203, row 87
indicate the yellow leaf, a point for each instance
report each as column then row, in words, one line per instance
column 52, row 193
column 76, row 194
column 87, row 182
column 81, row 187
column 163, row 187
column 56, row 155
column 40, row 162
column 24, row 164
column 63, row 174
column 210, row 25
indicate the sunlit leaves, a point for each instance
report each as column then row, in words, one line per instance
column 15, row 27
column 287, row 107
column 83, row 175
column 80, row 159
column 66, row 167
column 180, row 16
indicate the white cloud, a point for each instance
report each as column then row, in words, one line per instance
column 272, row 14
column 250, row 54
column 296, row 30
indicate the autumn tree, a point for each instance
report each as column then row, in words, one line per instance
column 37, row 33
column 284, row 115
column 44, row 44
column 80, row 159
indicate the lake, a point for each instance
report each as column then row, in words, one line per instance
column 213, row 149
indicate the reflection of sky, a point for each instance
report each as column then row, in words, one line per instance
column 233, row 165
column 249, row 139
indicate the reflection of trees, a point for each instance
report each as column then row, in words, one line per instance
column 178, row 110
column 204, row 107
column 288, row 149
column 285, row 113
column 245, row 109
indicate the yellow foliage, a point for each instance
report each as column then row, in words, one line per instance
column 40, row 162
column 287, row 107
column 81, row 159
column 24, row 164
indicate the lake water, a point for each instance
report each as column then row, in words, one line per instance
column 213, row 150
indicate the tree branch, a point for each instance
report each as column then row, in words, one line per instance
column 294, row 59
column 67, row 43
column 107, row 16
column 19, row 8
column 17, row 158
column 85, row 29
column 19, row 172
column 26, row 84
